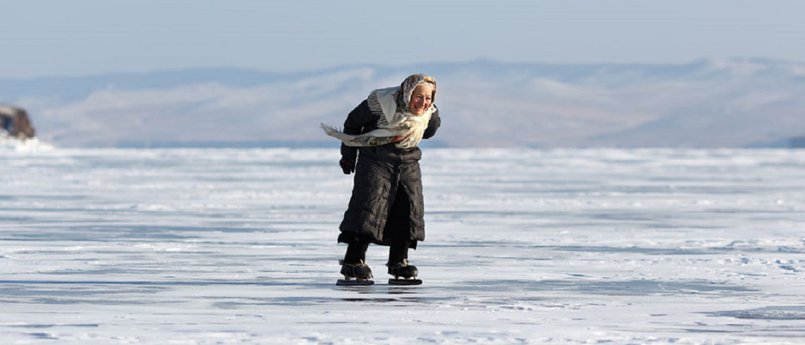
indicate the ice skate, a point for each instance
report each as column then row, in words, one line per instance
column 355, row 274
column 406, row 271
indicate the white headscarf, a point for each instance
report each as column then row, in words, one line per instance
column 395, row 123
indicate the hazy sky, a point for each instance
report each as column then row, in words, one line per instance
column 80, row 37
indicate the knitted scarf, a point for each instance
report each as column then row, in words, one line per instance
column 395, row 124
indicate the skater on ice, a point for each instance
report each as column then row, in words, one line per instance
column 380, row 143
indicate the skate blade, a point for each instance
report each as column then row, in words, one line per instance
column 405, row 282
column 354, row 282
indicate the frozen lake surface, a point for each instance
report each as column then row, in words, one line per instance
column 524, row 246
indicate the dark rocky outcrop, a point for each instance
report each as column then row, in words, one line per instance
column 16, row 122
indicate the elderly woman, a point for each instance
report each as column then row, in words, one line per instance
column 380, row 145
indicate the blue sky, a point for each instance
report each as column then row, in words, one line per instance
column 84, row 37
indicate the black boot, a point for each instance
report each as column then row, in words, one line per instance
column 359, row 271
column 354, row 267
column 403, row 269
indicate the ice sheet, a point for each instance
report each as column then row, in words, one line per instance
column 523, row 246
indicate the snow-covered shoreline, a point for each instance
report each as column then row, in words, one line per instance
column 192, row 246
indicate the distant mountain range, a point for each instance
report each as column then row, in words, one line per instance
column 706, row 103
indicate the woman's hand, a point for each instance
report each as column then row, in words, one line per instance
column 348, row 166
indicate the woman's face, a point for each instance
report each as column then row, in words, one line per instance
column 421, row 99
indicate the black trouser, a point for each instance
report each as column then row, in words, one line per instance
column 398, row 251
column 399, row 240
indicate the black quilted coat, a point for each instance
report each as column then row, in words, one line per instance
column 380, row 173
